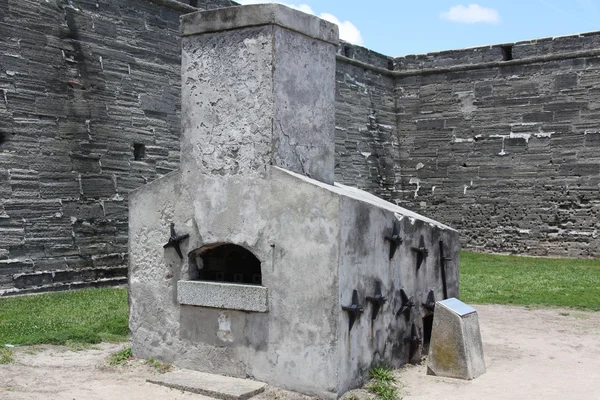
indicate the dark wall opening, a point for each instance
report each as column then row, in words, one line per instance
column 427, row 326
column 506, row 53
column 226, row 263
column 139, row 151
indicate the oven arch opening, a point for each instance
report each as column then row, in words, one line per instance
column 225, row 262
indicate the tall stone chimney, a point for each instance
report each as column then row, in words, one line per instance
column 258, row 90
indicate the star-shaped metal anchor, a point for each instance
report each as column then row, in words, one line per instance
column 378, row 300
column 354, row 310
column 429, row 304
column 414, row 342
column 174, row 241
column 394, row 239
column 407, row 305
column 421, row 251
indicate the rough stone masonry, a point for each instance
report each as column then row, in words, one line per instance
column 500, row 142
column 273, row 271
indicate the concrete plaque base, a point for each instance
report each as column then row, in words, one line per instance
column 455, row 350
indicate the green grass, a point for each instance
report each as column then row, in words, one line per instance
column 82, row 316
column 530, row 281
column 382, row 383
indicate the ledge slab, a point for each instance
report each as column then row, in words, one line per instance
column 223, row 295
column 216, row 386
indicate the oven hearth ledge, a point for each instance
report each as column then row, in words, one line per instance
column 230, row 296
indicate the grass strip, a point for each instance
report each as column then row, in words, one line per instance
column 82, row 316
column 530, row 281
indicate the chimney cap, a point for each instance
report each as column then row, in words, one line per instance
column 238, row 17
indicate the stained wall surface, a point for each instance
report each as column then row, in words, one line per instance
column 508, row 152
column 504, row 150
column 82, row 85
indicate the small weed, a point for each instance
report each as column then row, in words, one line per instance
column 381, row 373
column 120, row 357
column 564, row 314
column 160, row 367
column 6, row 355
column 383, row 383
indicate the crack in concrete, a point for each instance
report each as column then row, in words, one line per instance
column 293, row 148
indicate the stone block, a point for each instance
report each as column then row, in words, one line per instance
column 216, row 386
column 455, row 349
column 223, row 295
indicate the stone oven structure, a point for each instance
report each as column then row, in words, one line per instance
column 249, row 260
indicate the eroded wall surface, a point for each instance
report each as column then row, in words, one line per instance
column 82, row 85
column 366, row 138
column 507, row 153
column 500, row 142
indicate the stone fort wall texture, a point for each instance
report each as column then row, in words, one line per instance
column 500, row 142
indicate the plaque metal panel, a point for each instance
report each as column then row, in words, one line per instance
column 458, row 306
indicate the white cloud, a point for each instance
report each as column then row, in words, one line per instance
column 348, row 31
column 471, row 14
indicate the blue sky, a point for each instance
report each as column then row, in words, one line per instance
column 400, row 27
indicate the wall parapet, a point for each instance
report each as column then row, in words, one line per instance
column 521, row 53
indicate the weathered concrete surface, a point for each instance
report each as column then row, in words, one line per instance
column 226, row 192
column 215, row 386
column 257, row 100
column 363, row 229
column 255, row 213
column 223, row 295
column 257, row 15
column 299, row 343
column 269, row 90
column 456, row 349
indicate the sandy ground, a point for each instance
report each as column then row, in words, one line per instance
column 530, row 354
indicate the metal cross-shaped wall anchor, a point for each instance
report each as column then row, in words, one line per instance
column 414, row 342
column 429, row 304
column 354, row 310
column 421, row 251
column 443, row 261
column 174, row 241
column 394, row 239
column 407, row 305
column 378, row 300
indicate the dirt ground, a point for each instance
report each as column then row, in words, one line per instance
column 530, row 354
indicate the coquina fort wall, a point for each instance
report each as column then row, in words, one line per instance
column 501, row 142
